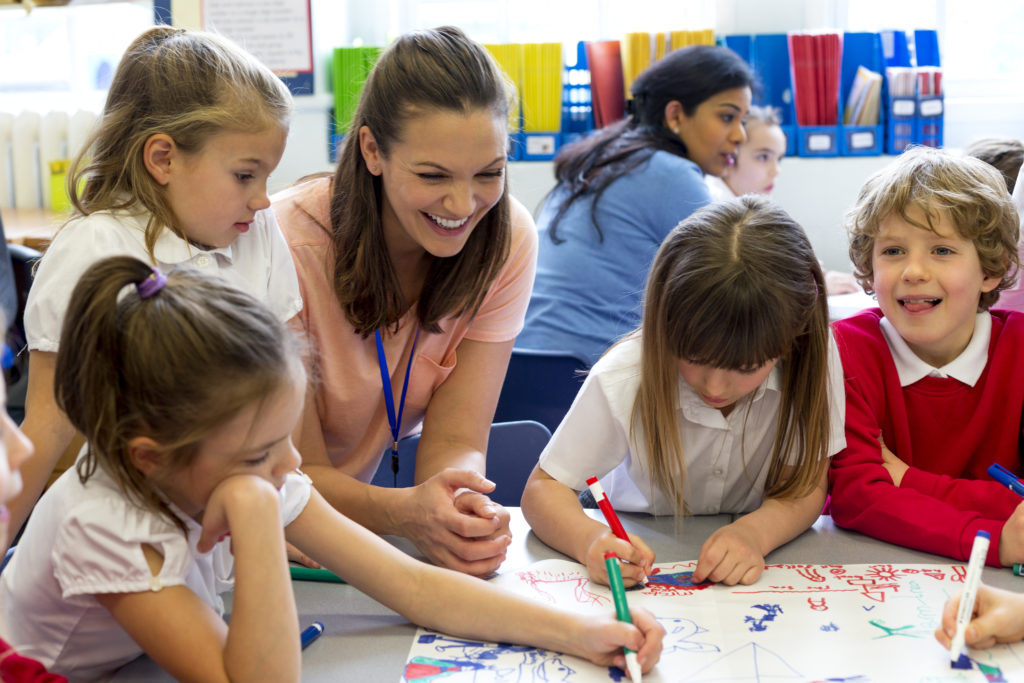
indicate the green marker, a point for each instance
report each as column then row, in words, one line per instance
column 310, row 574
column 611, row 563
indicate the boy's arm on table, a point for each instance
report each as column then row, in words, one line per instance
column 735, row 553
column 988, row 498
column 50, row 432
column 864, row 497
column 458, row 604
column 426, row 514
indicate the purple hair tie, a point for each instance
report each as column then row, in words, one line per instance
column 152, row 284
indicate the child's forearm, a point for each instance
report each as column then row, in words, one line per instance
column 50, row 432
column 262, row 641
column 554, row 513
column 779, row 520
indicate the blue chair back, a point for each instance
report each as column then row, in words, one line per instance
column 512, row 450
column 540, row 386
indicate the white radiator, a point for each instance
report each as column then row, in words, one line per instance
column 29, row 141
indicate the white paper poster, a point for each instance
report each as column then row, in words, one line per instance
column 852, row 623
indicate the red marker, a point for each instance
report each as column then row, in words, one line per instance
column 606, row 507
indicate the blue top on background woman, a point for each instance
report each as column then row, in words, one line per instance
column 623, row 188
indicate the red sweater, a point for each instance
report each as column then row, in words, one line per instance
column 17, row 669
column 947, row 432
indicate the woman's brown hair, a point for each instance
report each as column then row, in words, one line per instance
column 421, row 72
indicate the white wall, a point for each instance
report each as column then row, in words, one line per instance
column 817, row 192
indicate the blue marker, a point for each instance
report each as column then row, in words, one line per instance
column 1006, row 478
column 311, row 633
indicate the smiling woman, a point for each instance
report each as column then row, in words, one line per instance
column 416, row 268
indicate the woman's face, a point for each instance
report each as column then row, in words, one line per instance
column 444, row 174
column 714, row 132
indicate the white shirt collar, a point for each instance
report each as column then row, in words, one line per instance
column 171, row 249
column 694, row 409
column 966, row 368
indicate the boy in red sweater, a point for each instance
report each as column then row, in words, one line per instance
column 934, row 380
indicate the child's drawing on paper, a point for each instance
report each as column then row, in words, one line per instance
column 851, row 623
column 466, row 660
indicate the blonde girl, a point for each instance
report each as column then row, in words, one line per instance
column 727, row 400
column 175, row 174
column 758, row 159
column 187, row 390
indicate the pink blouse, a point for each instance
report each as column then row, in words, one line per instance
column 346, row 376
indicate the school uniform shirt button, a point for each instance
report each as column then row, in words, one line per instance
column 718, row 472
column 712, row 509
column 203, row 261
column 155, row 583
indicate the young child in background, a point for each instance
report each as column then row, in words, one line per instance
column 15, row 449
column 934, row 380
column 757, row 161
column 1006, row 155
column 727, row 399
column 176, row 174
column 174, row 466
column 757, row 164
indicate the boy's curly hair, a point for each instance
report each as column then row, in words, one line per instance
column 969, row 191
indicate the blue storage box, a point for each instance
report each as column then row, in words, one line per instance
column 928, row 123
column 900, row 124
column 861, row 140
column 577, row 98
column 539, row 146
column 790, row 132
column 861, row 49
column 817, row 141
column 769, row 58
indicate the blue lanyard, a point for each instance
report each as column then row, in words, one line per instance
column 389, row 396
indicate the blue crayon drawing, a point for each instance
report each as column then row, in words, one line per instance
column 759, row 623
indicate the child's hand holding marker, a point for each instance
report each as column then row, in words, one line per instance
column 998, row 617
column 632, row 660
column 637, row 559
column 631, row 549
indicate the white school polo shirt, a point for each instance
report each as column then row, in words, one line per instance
column 726, row 457
column 258, row 262
column 87, row 539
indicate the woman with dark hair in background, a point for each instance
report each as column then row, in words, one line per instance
column 623, row 188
